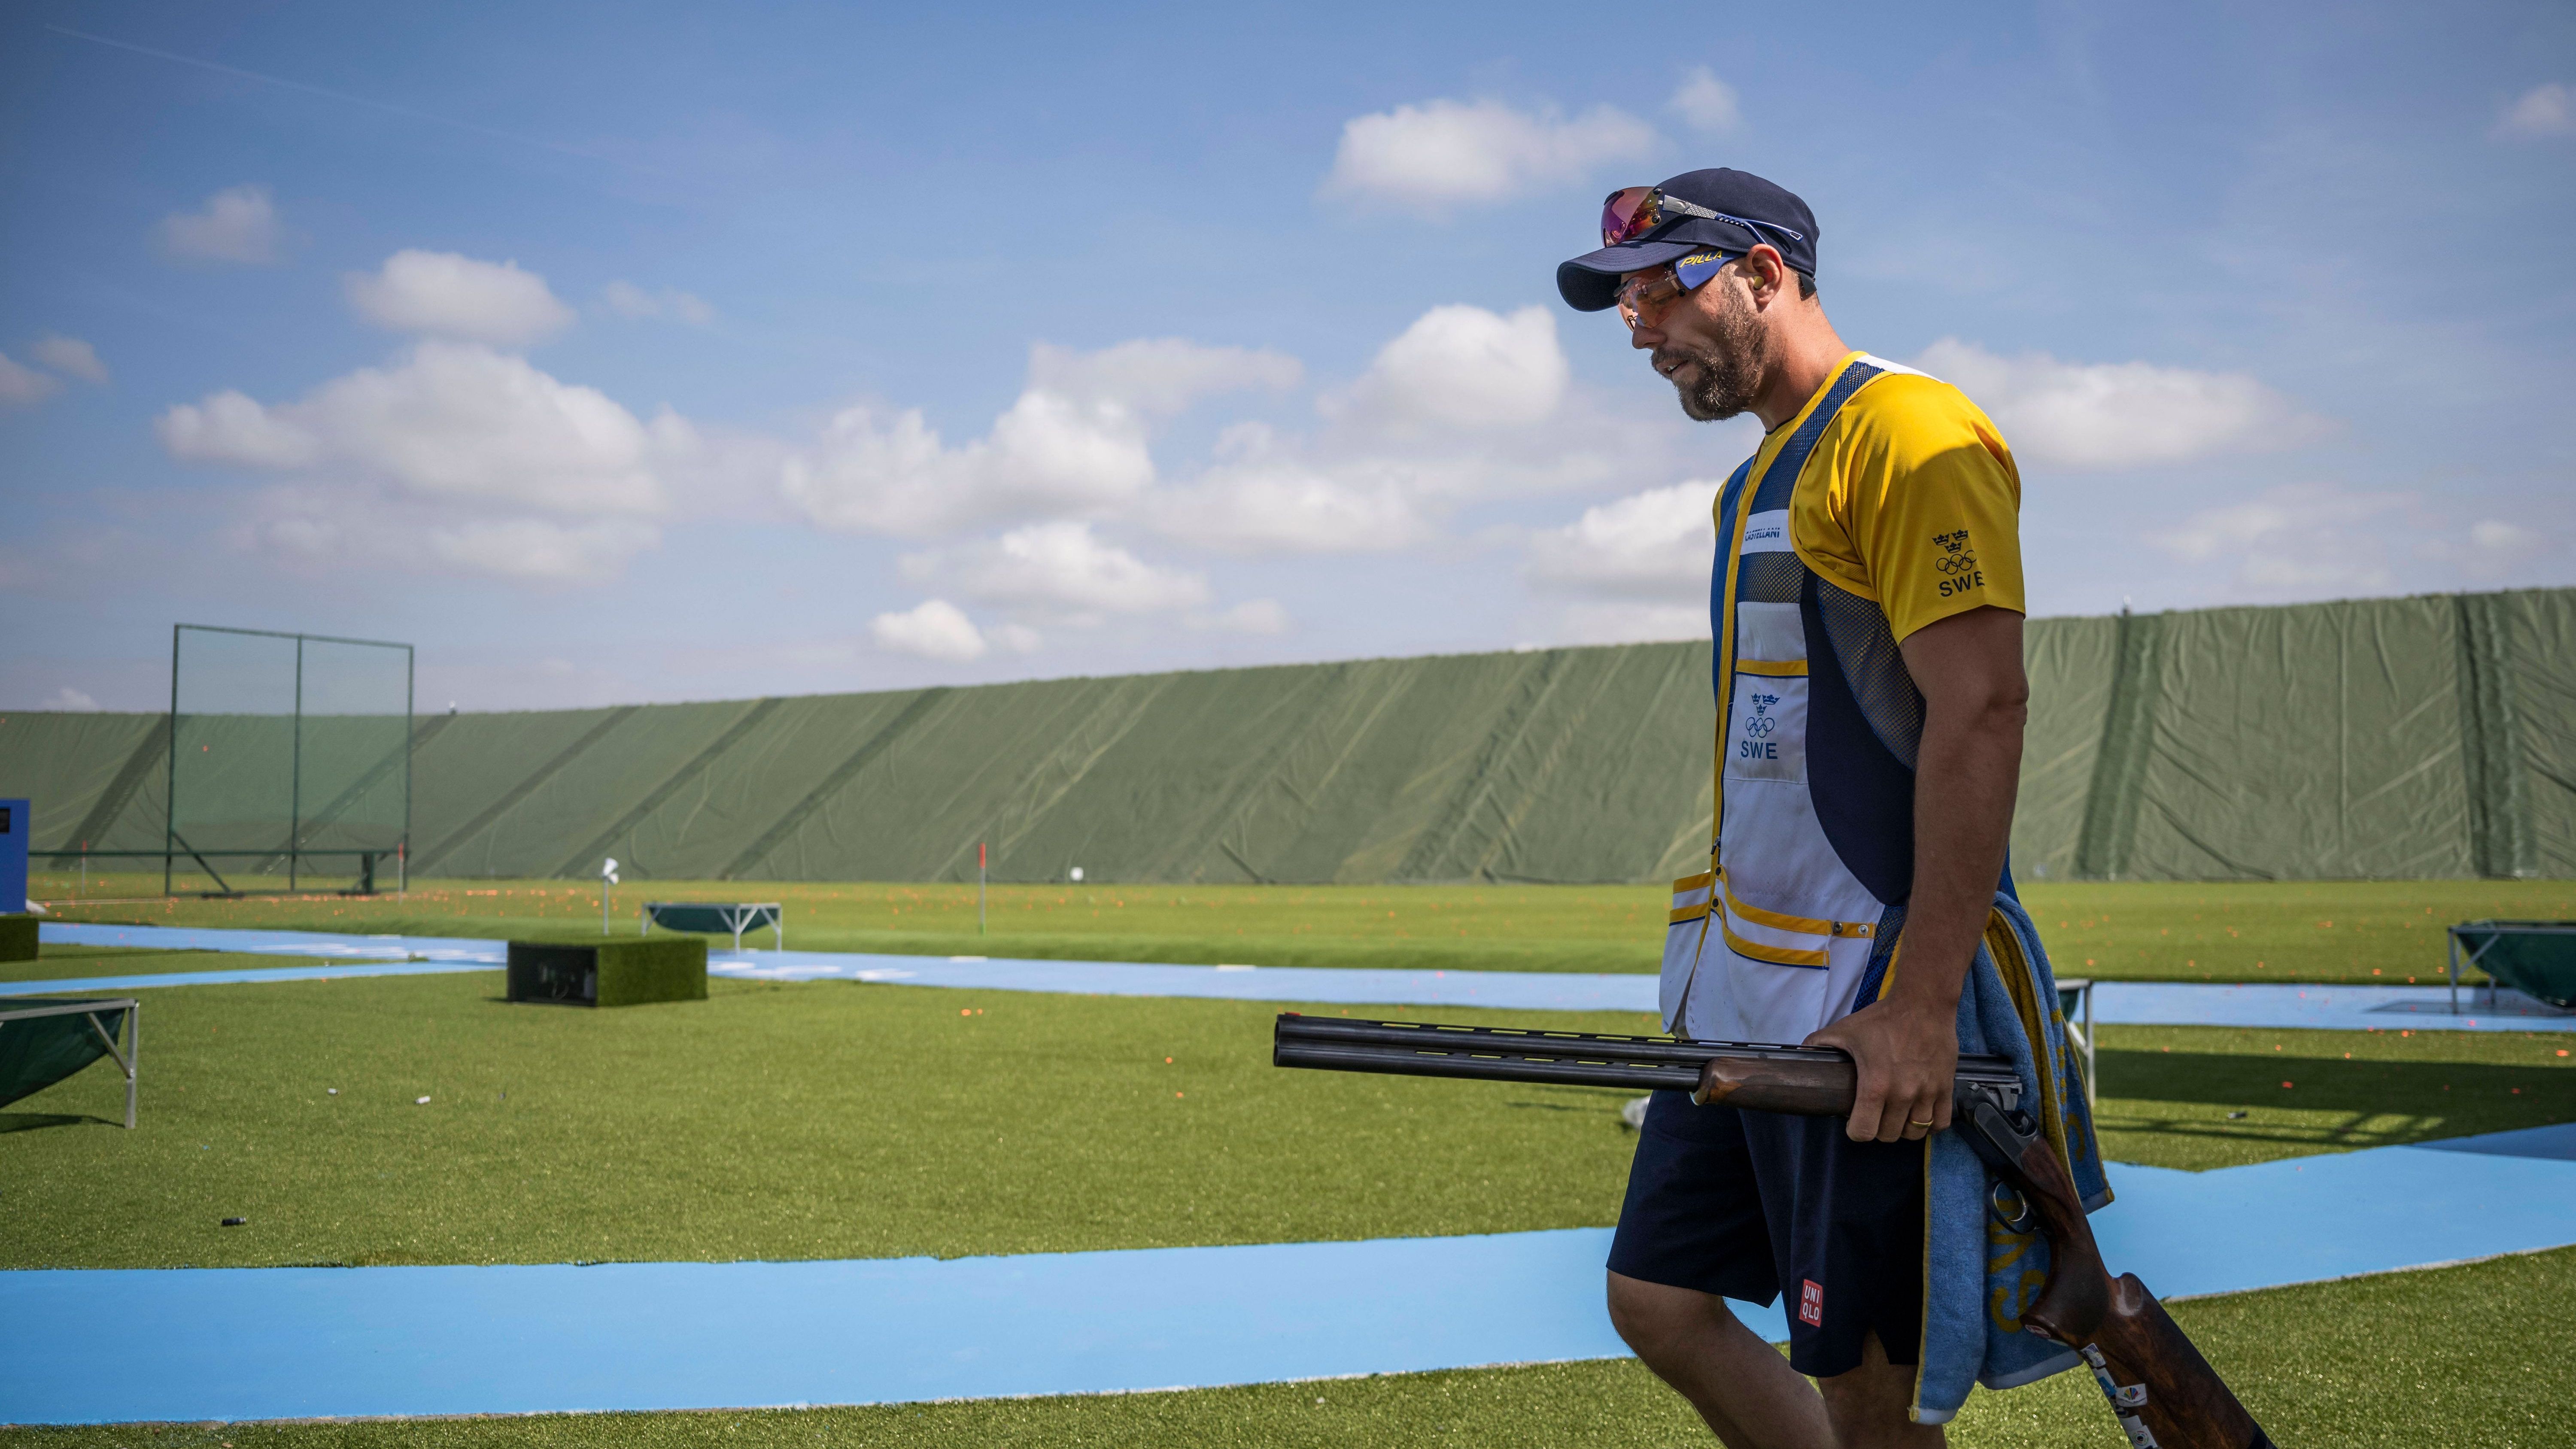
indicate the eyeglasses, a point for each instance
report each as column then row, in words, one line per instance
column 1632, row 211
column 1642, row 293
column 1644, row 297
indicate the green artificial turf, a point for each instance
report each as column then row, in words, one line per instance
column 2382, row 932
column 839, row 1120
column 67, row 963
column 2469, row 1357
column 2167, row 1091
column 2386, row 933
column 769, row 1121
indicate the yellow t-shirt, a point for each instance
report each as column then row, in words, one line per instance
column 1909, row 500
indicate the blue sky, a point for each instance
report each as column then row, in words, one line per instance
column 650, row 352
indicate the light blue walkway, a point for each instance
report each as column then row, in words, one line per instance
column 2350, row 1008
column 263, row 1343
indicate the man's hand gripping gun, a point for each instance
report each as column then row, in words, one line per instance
column 2163, row 1392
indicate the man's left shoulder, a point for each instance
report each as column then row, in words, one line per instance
column 1906, row 402
column 1908, row 419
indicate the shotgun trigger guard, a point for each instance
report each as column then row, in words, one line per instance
column 2010, row 1208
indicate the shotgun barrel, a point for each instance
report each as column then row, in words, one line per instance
column 1767, row 1077
column 2162, row 1392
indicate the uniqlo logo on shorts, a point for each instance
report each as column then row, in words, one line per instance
column 1811, row 1303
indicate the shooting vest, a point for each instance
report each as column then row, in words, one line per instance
column 1818, row 724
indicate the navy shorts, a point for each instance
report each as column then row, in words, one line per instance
column 1746, row 1204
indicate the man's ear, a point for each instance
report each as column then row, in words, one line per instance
column 1765, row 272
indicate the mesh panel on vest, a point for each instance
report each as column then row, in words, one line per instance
column 1769, row 578
column 1866, row 649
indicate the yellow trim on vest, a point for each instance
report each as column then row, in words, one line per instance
column 1726, row 658
column 1804, row 925
column 1780, row 955
column 1694, row 882
column 1686, row 913
column 1777, row 668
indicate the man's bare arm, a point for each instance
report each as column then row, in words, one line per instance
column 1975, row 700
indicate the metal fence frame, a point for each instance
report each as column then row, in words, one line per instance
column 173, row 845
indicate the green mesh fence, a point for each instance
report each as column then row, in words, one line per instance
column 2388, row 738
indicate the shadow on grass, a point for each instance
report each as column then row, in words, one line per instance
column 2328, row 1104
column 34, row 1121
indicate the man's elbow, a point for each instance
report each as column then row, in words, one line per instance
column 1999, row 705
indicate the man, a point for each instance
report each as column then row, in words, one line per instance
column 1867, row 609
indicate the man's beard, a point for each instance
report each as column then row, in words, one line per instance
column 1728, row 375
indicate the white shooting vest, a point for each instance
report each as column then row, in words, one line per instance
column 1813, row 854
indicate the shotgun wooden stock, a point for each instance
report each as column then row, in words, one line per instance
column 2165, row 1395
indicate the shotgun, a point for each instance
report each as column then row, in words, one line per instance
column 2165, row 1395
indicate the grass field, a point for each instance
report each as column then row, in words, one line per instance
column 841, row 1120
column 65, row 963
column 2384, row 932
column 834, row 1120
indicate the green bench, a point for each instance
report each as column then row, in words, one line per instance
column 715, row 918
column 2536, row 958
column 43, row 1042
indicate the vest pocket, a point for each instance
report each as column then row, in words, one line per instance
column 1766, row 726
column 1779, row 981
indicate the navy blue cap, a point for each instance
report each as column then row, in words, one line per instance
column 1751, row 212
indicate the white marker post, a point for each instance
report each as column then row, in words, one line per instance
column 607, row 878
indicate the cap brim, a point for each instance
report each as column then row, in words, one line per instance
column 1590, row 283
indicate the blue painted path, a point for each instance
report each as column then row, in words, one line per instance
column 2349, row 1008
column 267, row 1343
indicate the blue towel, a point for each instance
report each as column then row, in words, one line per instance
column 1978, row 1275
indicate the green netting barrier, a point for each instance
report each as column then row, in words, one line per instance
column 2382, row 738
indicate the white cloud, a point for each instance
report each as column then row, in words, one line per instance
column 1160, row 376
column 231, row 427
column 237, row 224
column 1060, row 571
column 1463, row 368
column 1252, row 616
column 1284, row 505
column 932, row 629
column 1073, row 445
column 1631, row 623
column 1654, row 545
column 449, row 421
column 1438, row 154
column 1464, row 405
column 2295, row 541
column 2117, row 414
column 2543, row 110
column 628, row 300
column 326, row 526
column 23, row 386
column 456, row 458
column 2492, row 548
column 71, row 357
column 443, row 294
column 1707, row 103
column 68, row 700
column 542, row 550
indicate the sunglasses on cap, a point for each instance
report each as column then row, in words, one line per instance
column 1632, row 211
